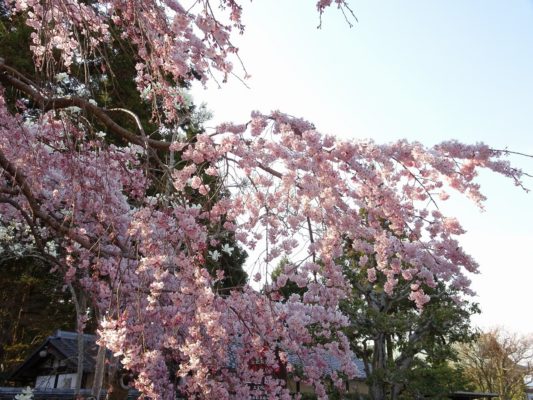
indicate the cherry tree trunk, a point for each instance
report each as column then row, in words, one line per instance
column 99, row 373
column 116, row 391
column 377, row 389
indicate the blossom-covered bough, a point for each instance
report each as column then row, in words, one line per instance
column 85, row 201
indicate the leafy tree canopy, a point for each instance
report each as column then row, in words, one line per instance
column 33, row 303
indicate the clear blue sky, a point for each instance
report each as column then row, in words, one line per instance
column 422, row 70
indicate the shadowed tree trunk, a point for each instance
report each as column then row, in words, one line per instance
column 377, row 389
column 116, row 390
column 98, row 373
column 80, row 304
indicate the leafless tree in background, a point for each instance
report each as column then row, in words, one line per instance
column 500, row 362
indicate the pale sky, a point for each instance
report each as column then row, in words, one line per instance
column 424, row 70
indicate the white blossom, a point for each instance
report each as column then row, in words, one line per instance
column 61, row 77
column 215, row 255
column 26, row 394
column 74, row 109
column 51, row 248
column 227, row 249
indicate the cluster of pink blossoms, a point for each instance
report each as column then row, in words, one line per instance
column 142, row 258
column 299, row 194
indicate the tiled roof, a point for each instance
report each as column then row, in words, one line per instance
column 334, row 364
column 8, row 393
column 472, row 395
column 67, row 344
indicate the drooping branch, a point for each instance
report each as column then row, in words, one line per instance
column 15, row 79
column 47, row 103
column 18, row 177
column 29, row 221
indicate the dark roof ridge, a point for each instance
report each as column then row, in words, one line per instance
column 59, row 334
